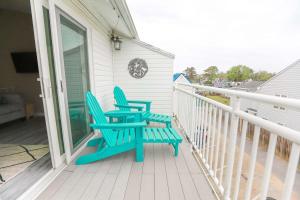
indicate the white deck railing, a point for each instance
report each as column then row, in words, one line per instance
column 218, row 133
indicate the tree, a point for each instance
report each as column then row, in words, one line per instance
column 222, row 75
column 210, row 74
column 191, row 73
column 262, row 76
column 239, row 73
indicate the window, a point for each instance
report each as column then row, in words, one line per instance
column 277, row 106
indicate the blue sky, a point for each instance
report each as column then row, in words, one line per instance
column 263, row 34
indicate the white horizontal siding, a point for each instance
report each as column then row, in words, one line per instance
column 285, row 83
column 102, row 69
column 156, row 85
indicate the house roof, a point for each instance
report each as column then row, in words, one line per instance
column 177, row 75
column 155, row 49
column 281, row 72
column 250, row 86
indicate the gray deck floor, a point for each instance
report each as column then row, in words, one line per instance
column 161, row 176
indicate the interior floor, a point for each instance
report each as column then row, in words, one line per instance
column 32, row 131
column 25, row 132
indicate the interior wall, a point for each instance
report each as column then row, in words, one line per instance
column 17, row 35
column 156, row 85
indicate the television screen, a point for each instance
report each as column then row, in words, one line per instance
column 25, row 62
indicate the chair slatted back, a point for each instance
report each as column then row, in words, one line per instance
column 99, row 118
column 120, row 98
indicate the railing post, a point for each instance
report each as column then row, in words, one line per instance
column 235, row 103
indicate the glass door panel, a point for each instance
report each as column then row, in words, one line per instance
column 74, row 47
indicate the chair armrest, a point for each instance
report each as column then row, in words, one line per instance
column 139, row 108
column 118, row 126
column 139, row 101
column 147, row 103
column 121, row 113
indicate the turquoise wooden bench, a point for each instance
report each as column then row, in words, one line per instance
column 123, row 104
column 121, row 137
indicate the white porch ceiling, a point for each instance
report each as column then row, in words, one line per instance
column 114, row 13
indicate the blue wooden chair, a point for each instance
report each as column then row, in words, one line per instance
column 126, row 105
column 121, row 137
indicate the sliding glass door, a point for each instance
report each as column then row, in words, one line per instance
column 73, row 38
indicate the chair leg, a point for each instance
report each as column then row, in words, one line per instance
column 92, row 157
column 105, row 152
column 94, row 142
column 139, row 152
column 175, row 146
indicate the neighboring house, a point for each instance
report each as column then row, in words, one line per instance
column 181, row 78
column 221, row 83
column 249, row 86
column 284, row 84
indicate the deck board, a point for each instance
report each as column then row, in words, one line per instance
column 160, row 176
column 161, row 183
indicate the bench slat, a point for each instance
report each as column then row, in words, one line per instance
column 164, row 135
column 157, row 135
column 175, row 134
column 126, row 135
column 132, row 134
column 120, row 137
column 150, row 135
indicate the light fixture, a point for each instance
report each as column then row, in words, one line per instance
column 117, row 42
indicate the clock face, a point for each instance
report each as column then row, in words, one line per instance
column 137, row 68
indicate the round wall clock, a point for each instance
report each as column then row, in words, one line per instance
column 137, row 68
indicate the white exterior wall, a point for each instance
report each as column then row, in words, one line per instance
column 285, row 83
column 156, row 85
column 102, row 69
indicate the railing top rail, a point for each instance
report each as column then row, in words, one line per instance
column 288, row 133
column 288, row 102
column 213, row 102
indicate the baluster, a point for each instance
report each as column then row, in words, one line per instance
column 252, row 163
column 203, row 130
column 197, row 139
column 235, row 101
column 213, row 133
column 218, row 142
column 226, row 120
column 240, row 160
column 268, row 166
column 291, row 172
column 193, row 120
column 208, row 134
column 201, row 127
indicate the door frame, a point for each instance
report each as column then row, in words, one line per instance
column 54, row 7
column 44, row 77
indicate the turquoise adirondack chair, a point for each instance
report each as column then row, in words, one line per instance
column 123, row 104
column 121, row 137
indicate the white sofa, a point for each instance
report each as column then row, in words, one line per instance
column 11, row 107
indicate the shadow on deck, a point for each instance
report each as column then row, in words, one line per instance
column 161, row 176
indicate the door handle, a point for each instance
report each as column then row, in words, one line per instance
column 61, row 86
